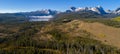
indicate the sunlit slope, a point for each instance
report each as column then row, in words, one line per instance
column 104, row 33
column 116, row 19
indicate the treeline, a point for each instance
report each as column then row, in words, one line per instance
column 106, row 21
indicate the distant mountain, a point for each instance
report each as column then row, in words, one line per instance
column 84, row 12
column 46, row 12
column 108, row 11
column 43, row 12
column 12, row 18
column 40, row 15
column 98, row 9
column 117, row 11
column 77, row 15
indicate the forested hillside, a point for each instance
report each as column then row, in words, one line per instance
column 53, row 37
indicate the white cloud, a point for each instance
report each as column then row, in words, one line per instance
column 40, row 18
column 50, row 16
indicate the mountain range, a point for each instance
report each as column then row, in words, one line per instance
column 45, row 12
column 48, row 13
column 98, row 9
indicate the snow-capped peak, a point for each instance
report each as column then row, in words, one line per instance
column 118, row 9
column 97, row 9
column 79, row 9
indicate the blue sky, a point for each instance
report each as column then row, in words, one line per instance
column 61, row 5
